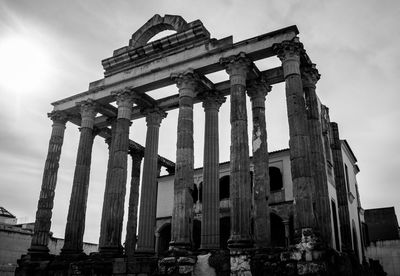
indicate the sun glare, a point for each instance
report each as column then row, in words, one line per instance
column 24, row 65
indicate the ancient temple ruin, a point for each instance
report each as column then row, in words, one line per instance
column 185, row 58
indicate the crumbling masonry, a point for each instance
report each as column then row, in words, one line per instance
column 185, row 58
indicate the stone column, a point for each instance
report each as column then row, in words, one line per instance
column 41, row 231
column 148, row 201
column 182, row 215
column 113, row 211
column 210, row 212
column 287, row 232
column 261, row 190
column 299, row 143
column 131, row 226
column 341, row 191
column 240, row 191
column 107, row 188
column 75, row 228
column 322, row 210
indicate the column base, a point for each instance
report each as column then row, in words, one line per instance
column 39, row 251
column 234, row 243
column 111, row 252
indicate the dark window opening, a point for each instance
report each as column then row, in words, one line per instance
column 164, row 239
column 195, row 193
column 275, row 178
column 224, row 183
column 224, row 231
column 277, row 231
column 201, row 192
column 196, row 234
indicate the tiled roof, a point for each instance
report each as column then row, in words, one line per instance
column 5, row 213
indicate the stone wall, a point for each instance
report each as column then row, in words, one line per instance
column 15, row 241
column 388, row 254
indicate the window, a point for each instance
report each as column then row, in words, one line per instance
column 275, row 178
column 224, row 183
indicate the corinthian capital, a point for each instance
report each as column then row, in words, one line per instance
column 187, row 82
column 124, row 100
column 236, row 65
column 88, row 112
column 310, row 75
column 154, row 116
column 59, row 117
column 212, row 99
column 289, row 49
column 258, row 89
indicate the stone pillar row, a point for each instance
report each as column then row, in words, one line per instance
column 113, row 205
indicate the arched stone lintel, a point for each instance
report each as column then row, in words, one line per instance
column 156, row 25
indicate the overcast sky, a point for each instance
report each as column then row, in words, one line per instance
column 50, row 50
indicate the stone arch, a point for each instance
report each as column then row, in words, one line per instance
column 156, row 25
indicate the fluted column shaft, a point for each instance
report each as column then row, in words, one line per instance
column 182, row 214
column 261, row 186
column 148, row 201
column 113, row 212
column 131, row 226
column 240, row 190
column 75, row 228
column 299, row 143
column 107, row 188
column 321, row 198
column 41, row 231
column 210, row 237
column 341, row 191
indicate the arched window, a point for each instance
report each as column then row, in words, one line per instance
column 275, row 179
column 224, row 183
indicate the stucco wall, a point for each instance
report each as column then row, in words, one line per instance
column 388, row 254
